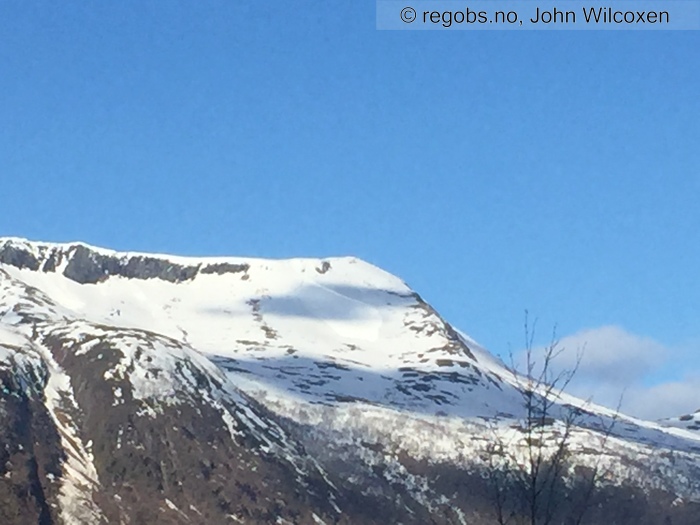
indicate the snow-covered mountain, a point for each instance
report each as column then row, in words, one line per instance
column 686, row 421
column 140, row 388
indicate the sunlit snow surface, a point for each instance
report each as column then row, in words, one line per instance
column 322, row 330
column 336, row 343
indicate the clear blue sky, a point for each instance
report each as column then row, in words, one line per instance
column 493, row 171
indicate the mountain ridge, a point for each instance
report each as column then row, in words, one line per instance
column 369, row 394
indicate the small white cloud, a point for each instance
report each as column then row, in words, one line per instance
column 611, row 353
column 617, row 364
column 664, row 400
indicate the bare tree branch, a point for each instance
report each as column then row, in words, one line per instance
column 530, row 491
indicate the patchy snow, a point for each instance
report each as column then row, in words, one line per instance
column 173, row 507
column 79, row 478
column 318, row 520
column 353, row 331
column 337, row 343
column 689, row 422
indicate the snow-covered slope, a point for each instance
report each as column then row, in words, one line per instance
column 357, row 364
column 686, row 421
column 321, row 329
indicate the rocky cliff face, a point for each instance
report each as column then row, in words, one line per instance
column 85, row 265
column 149, row 389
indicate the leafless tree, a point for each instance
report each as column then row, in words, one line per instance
column 529, row 480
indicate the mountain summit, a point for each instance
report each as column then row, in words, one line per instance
column 140, row 388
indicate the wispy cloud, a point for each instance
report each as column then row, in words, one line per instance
column 666, row 399
column 616, row 364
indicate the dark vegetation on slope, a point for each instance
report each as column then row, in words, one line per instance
column 30, row 456
column 473, row 491
column 166, row 463
column 186, row 454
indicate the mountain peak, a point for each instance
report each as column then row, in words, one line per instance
column 330, row 376
column 87, row 264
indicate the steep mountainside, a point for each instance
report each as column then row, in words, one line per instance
column 141, row 388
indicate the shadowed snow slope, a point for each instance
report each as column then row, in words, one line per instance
column 314, row 372
column 686, row 421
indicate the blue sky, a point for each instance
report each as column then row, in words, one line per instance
column 495, row 172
